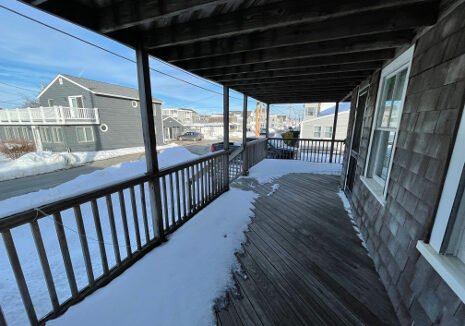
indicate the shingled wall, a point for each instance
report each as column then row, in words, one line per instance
column 432, row 110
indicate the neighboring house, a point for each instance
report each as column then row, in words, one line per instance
column 172, row 128
column 404, row 173
column 311, row 110
column 321, row 127
column 78, row 114
column 184, row 116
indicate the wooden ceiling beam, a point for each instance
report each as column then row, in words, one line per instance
column 389, row 20
column 302, row 84
column 314, row 71
column 358, row 57
column 270, row 16
column 335, row 47
column 302, row 79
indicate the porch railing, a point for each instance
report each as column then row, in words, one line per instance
column 99, row 234
column 242, row 160
column 309, row 150
column 49, row 115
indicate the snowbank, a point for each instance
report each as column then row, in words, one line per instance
column 268, row 170
column 44, row 162
column 177, row 283
column 98, row 179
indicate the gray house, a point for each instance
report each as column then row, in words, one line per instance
column 172, row 128
column 78, row 114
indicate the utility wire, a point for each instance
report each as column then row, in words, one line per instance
column 108, row 51
column 22, row 88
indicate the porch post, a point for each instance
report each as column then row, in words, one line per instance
column 226, row 133
column 2, row 318
column 150, row 139
column 267, row 120
column 333, row 136
column 245, row 157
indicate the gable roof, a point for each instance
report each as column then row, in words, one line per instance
column 343, row 107
column 100, row 88
column 173, row 119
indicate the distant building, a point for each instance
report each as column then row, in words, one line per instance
column 184, row 116
column 172, row 129
column 78, row 114
column 321, row 126
column 311, row 110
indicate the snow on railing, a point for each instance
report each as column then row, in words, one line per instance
column 50, row 115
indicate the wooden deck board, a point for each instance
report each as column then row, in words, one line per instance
column 304, row 263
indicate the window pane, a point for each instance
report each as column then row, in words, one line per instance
column 397, row 98
column 381, row 153
column 386, row 103
column 80, row 134
column 80, row 103
column 89, row 134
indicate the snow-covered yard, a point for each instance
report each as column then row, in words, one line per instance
column 175, row 284
column 44, row 162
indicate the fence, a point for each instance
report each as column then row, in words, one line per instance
column 101, row 233
column 50, row 115
column 309, row 150
column 242, row 160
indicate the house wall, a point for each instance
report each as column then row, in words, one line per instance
column 307, row 127
column 123, row 120
column 433, row 105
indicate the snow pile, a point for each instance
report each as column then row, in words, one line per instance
column 348, row 209
column 177, row 283
column 95, row 180
column 274, row 188
column 268, row 170
column 44, row 162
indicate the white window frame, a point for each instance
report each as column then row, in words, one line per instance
column 314, row 128
column 448, row 266
column 51, row 100
column 330, row 128
column 376, row 185
column 45, row 133
column 85, row 135
column 74, row 97
column 55, row 132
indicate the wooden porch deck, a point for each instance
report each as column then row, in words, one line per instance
column 303, row 263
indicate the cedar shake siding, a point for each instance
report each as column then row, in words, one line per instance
column 433, row 106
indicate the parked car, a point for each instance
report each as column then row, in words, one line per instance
column 281, row 151
column 263, row 132
column 191, row 135
column 232, row 146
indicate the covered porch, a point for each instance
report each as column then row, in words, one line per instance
column 303, row 262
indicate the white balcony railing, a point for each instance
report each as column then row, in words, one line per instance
column 49, row 115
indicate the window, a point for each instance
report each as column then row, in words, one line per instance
column 76, row 101
column 394, row 80
column 26, row 133
column 317, row 131
column 8, row 133
column 57, row 134
column 51, row 102
column 85, row 134
column 328, row 132
column 134, row 104
column 45, row 134
column 446, row 249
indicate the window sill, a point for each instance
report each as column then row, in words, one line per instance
column 450, row 268
column 375, row 189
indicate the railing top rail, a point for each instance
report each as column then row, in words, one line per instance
column 29, row 215
column 256, row 141
column 236, row 153
column 307, row 139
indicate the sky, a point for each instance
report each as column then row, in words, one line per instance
column 31, row 55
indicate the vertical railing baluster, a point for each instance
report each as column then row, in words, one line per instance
column 189, row 192
column 184, row 194
column 135, row 216
column 173, row 221
column 144, row 212
column 98, row 229
column 65, row 254
column 44, row 264
column 124, row 218
column 165, row 202
column 209, row 167
column 214, row 174
column 114, row 235
column 84, row 245
column 19, row 276
column 178, row 197
column 199, row 195
column 202, row 183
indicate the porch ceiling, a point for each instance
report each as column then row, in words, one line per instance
column 273, row 50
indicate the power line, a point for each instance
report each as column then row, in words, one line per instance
column 22, row 88
column 106, row 50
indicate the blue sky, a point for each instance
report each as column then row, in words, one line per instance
column 31, row 55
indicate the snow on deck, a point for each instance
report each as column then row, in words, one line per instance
column 176, row 283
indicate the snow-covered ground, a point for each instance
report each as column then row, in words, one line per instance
column 44, row 162
column 175, row 284
column 268, row 170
